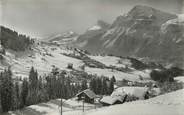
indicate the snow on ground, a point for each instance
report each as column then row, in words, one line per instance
column 140, row 109
column 70, row 107
column 74, row 102
column 143, row 74
column 96, row 27
column 111, row 61
column 173, row 98
column 49, row 109
column 43, row 59
column 117, row 74
column 168, row 104
column 109, row 73
column 181, row 17
column 179, row 79
column 136, row 91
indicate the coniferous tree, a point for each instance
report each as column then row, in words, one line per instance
column 111, row 86
column 92, row 85
column 32, row 97
column 99, row 85
column 6, row 90
column 16, row 97
column 113, row 79
column 24, row 92
column 42, row 94
column 84, row 85
column 104, row 89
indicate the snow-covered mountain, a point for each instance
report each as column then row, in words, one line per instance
column 143, row 32
column 64, row 38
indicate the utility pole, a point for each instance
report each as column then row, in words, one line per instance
column 83, row 106
column 61, row 105
column 83, row 98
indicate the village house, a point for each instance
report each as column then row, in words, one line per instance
column 86, row 95
column 139, row 92
column 124, row 94
column 109, row 100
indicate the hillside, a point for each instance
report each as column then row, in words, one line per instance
column 44, row 57
column 10, row 39
column 66, row 38
column 143, row 32
column 168, row 104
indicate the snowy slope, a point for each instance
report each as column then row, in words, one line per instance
column 111, row 61
column 42, row 58
column 168, row 104
column 70, row 107
column 96, row 27
column 133, row 76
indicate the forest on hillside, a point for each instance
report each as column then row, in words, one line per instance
column 13, row 40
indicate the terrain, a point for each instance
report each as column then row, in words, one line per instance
column 129, row 49
column 44, row 57
column 167, row 104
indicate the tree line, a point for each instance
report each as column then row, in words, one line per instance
column 12, row 40
column 166, row 75
column 102, row 85
column 18, row 94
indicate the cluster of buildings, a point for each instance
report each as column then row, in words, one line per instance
column 119, row 95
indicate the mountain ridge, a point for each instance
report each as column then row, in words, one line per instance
column 139, row 33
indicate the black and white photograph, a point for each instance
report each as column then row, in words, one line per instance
column 91, row 57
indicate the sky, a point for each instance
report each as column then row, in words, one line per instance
column 43, row 18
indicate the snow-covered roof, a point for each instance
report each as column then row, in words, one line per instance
column 155, row 91
column 111, row 100
column 179, row 79
column 135, row 91
column 89, row 93
column 118, row 93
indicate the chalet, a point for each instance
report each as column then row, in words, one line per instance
column 139, row 92
column 125, row 94
column 87, row 95
column 110, row 100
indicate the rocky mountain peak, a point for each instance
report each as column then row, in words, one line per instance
column 140, row 10
column 103, row 24
column 142, row 32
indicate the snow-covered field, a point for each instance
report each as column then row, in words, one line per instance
column 167, row 104
column 43, row 59
column 133, row 76
column 111, row 61
column 70, row 107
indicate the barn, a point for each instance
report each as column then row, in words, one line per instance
column 87, row 95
